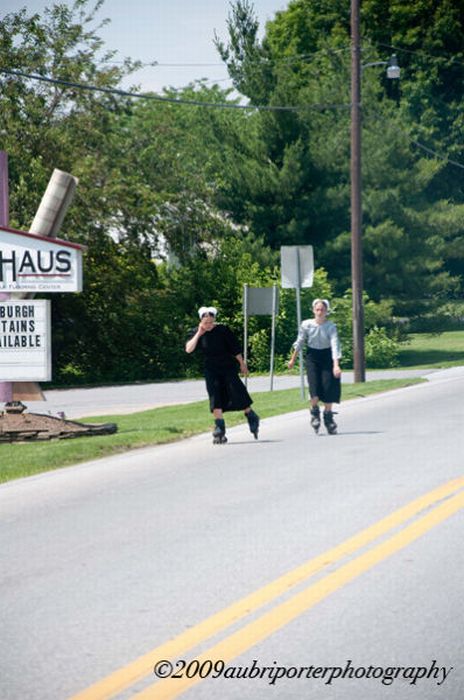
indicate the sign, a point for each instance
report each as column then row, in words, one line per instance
column 297, row 266
column 25, row 341
column 261, row 301
column 31, row 263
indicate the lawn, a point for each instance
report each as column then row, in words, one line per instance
column 433, row 350
column 157, row 426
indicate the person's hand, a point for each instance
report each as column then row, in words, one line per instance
column 291, row 363
column 244, row 368
column 337, row 372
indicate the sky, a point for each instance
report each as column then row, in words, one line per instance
column 166, row 31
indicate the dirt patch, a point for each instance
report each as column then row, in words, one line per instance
column 16, row 424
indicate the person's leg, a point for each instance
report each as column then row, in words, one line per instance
column 329, row 422
column 315, row 413
column 253, row 421
column 213, row 385
column 219, row 432
column 330, row 395
column 314, row 409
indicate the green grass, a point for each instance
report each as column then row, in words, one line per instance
column 433, row 350
column 154, row 427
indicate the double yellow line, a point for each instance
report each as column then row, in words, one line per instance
column 441, row 503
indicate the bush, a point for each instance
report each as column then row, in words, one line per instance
column 447, row 317
column 381, row 351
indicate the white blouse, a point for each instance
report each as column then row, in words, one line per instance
column 319, row 336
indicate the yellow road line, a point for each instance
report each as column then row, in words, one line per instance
column 278, row 617
column 124, row 677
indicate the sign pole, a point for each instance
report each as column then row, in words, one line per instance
column 298, row 317
column 245, row 327
column 273, row 325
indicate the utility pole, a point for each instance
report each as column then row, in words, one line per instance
column 356, row 204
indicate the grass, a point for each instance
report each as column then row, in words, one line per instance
column 154, row 427
column 433, row 350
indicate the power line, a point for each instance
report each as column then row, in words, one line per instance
column 199, row 103
column 437, row 155
column 172, row 100
column 423, row 54
column 380, row 119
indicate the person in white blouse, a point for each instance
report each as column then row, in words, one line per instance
column 320, row 338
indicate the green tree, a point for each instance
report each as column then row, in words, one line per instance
column 412, row 255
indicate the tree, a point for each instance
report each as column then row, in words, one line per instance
column 408, row 258
column 149, row 180
column 107, row 332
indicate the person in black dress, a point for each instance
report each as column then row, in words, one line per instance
column 222, row 362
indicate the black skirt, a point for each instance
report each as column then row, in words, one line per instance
column 226, row 390
column 321, row 381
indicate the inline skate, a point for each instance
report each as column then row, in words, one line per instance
column 219, row 432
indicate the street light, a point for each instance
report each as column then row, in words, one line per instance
column 393, row 71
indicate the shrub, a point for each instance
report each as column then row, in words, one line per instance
column 381, row 351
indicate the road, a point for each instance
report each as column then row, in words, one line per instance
column 115, row 400
column 294, row 551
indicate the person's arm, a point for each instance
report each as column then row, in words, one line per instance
column 297, row 346
column 235, row 349
column 242, row 363
column 191, row 344
column 292, row 359
column 336, row 352
column 337, row 371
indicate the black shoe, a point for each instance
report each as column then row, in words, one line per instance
column 219, row 432
column 253, row 422
column 329, row 422
column 315, row 418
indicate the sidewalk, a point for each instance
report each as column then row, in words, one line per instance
column 130, row 398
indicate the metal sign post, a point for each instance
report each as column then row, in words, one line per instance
column 297, row 269
column 273, row 325
column 245, row 327
column 260, row 301
column 298, row 319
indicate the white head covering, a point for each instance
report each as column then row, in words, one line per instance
column 322, row 301
column 207, row 310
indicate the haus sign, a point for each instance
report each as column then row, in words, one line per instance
column 31, row 263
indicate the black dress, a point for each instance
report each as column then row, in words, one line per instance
column 321, row 381
column 226, row 391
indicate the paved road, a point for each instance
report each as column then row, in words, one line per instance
column 105, row 562
column 77, row 403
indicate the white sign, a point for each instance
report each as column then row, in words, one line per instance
column 30, row 263
column 297, row 266
column 25, row 341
